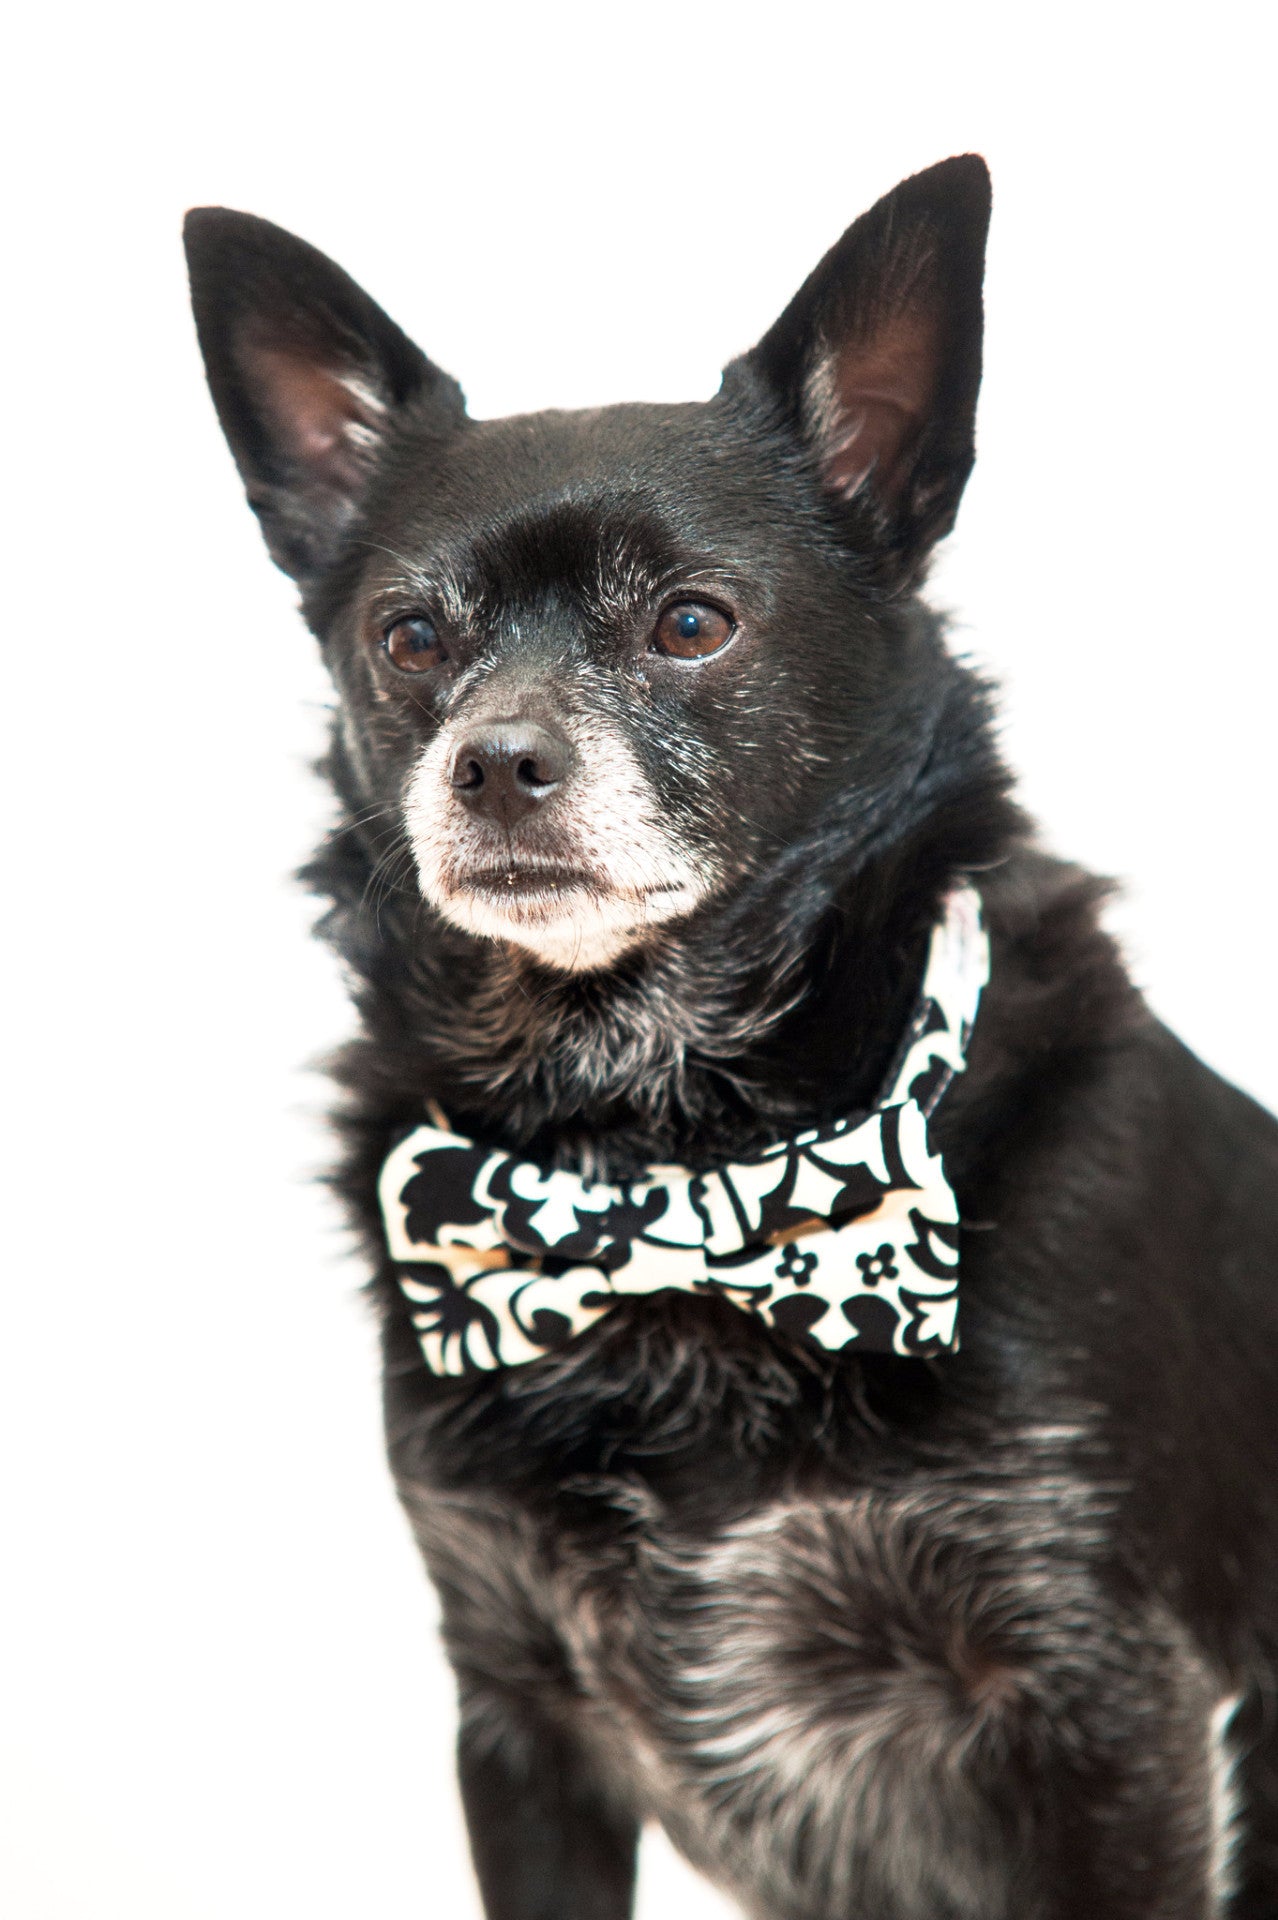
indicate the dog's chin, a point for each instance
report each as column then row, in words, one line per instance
column 572, row 921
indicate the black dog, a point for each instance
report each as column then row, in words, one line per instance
column 656, row 778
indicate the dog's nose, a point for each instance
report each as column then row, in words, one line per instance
column 505, row 768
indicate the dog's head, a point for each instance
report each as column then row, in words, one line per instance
column 604, row 666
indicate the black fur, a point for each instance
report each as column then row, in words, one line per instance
column 907, row 1640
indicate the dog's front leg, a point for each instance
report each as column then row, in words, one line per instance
column 548, row 1840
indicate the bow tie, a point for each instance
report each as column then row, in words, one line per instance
column 846, row 1235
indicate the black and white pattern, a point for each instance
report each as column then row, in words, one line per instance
column 846, row 1235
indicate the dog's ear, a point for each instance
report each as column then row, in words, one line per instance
column 307, row 374
column 876, row 362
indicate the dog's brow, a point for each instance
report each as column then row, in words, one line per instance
column 443, row 590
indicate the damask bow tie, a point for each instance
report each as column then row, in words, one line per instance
column 846, row 1235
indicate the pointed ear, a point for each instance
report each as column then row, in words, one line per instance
column 307, row 374
column 876, row 362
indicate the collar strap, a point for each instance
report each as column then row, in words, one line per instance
column 846, row 1236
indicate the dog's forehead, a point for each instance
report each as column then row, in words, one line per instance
column 626, row 485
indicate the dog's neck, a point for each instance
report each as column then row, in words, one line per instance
column 782, row 1007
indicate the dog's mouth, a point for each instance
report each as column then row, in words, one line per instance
column 524, row 882
column 573, row 917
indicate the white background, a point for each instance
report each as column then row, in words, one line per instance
column 223, row 1699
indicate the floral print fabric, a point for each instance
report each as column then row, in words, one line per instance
column 846, row 1235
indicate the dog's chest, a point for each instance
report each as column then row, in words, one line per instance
column 708, row 1665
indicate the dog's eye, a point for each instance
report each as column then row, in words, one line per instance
column 413, row 645
column 690, row 630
